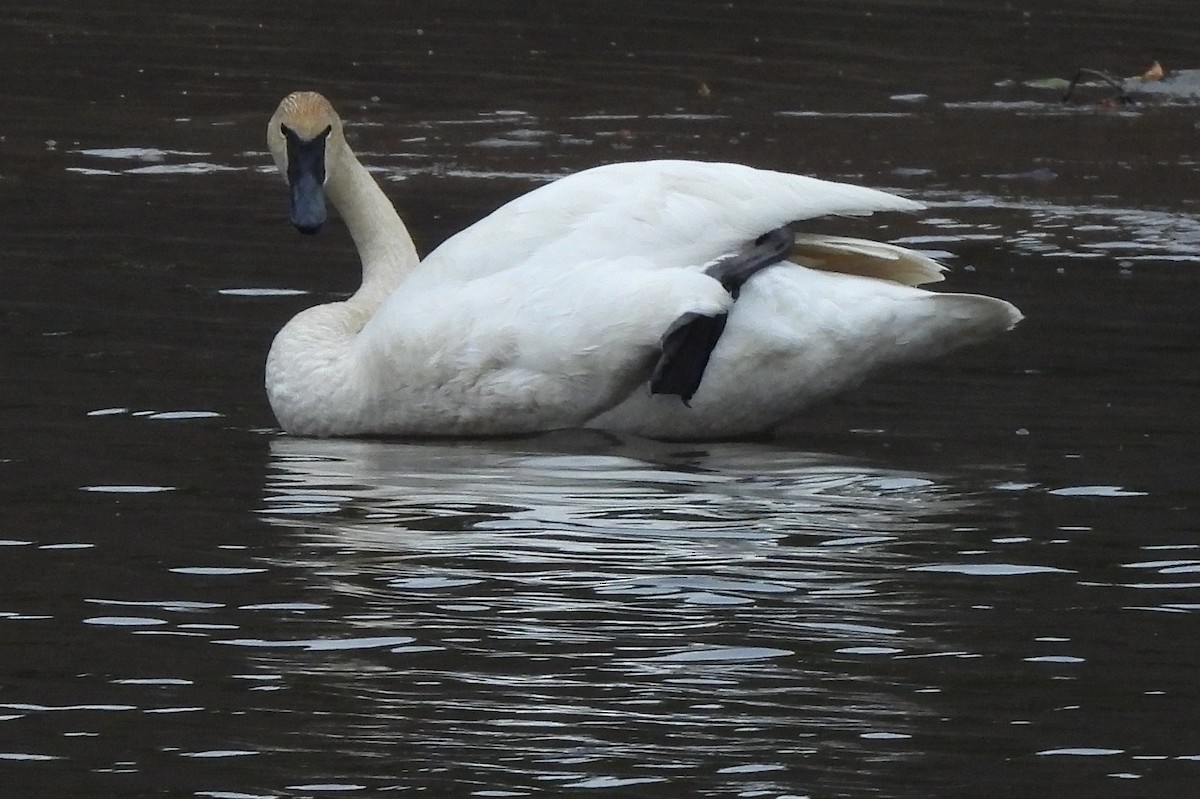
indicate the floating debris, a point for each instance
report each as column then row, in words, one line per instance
column 1155, row 84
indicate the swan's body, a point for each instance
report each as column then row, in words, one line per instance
column 552, row 311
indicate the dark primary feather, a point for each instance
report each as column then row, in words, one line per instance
column 689, row 342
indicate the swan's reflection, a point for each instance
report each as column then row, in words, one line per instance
column 595, row 607
column 575, row 484
column 724, row 524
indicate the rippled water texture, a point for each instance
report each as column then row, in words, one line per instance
column 974, row 578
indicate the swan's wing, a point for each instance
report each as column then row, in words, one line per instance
column 542, row 346
column 676, row 213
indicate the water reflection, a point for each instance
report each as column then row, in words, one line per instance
column 612, row 612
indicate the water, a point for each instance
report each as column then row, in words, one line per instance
column 973, row 578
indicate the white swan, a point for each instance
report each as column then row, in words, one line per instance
column 597, row 300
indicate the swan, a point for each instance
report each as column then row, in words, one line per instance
column 668, row 299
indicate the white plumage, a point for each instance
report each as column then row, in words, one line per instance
column 551, row 311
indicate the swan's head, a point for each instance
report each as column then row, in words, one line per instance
column 305, row 138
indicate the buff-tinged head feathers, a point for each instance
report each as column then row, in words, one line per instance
column 305, row 114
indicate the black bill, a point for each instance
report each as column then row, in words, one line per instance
column 306, row 176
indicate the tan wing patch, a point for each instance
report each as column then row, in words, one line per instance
column 866, row 258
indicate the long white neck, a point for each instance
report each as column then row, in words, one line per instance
column 313, row 376
column 383, row 242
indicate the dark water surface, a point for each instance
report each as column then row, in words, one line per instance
column 977, row 578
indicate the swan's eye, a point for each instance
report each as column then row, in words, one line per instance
column 290, row 134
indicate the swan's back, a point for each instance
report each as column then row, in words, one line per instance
column 675, row 213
